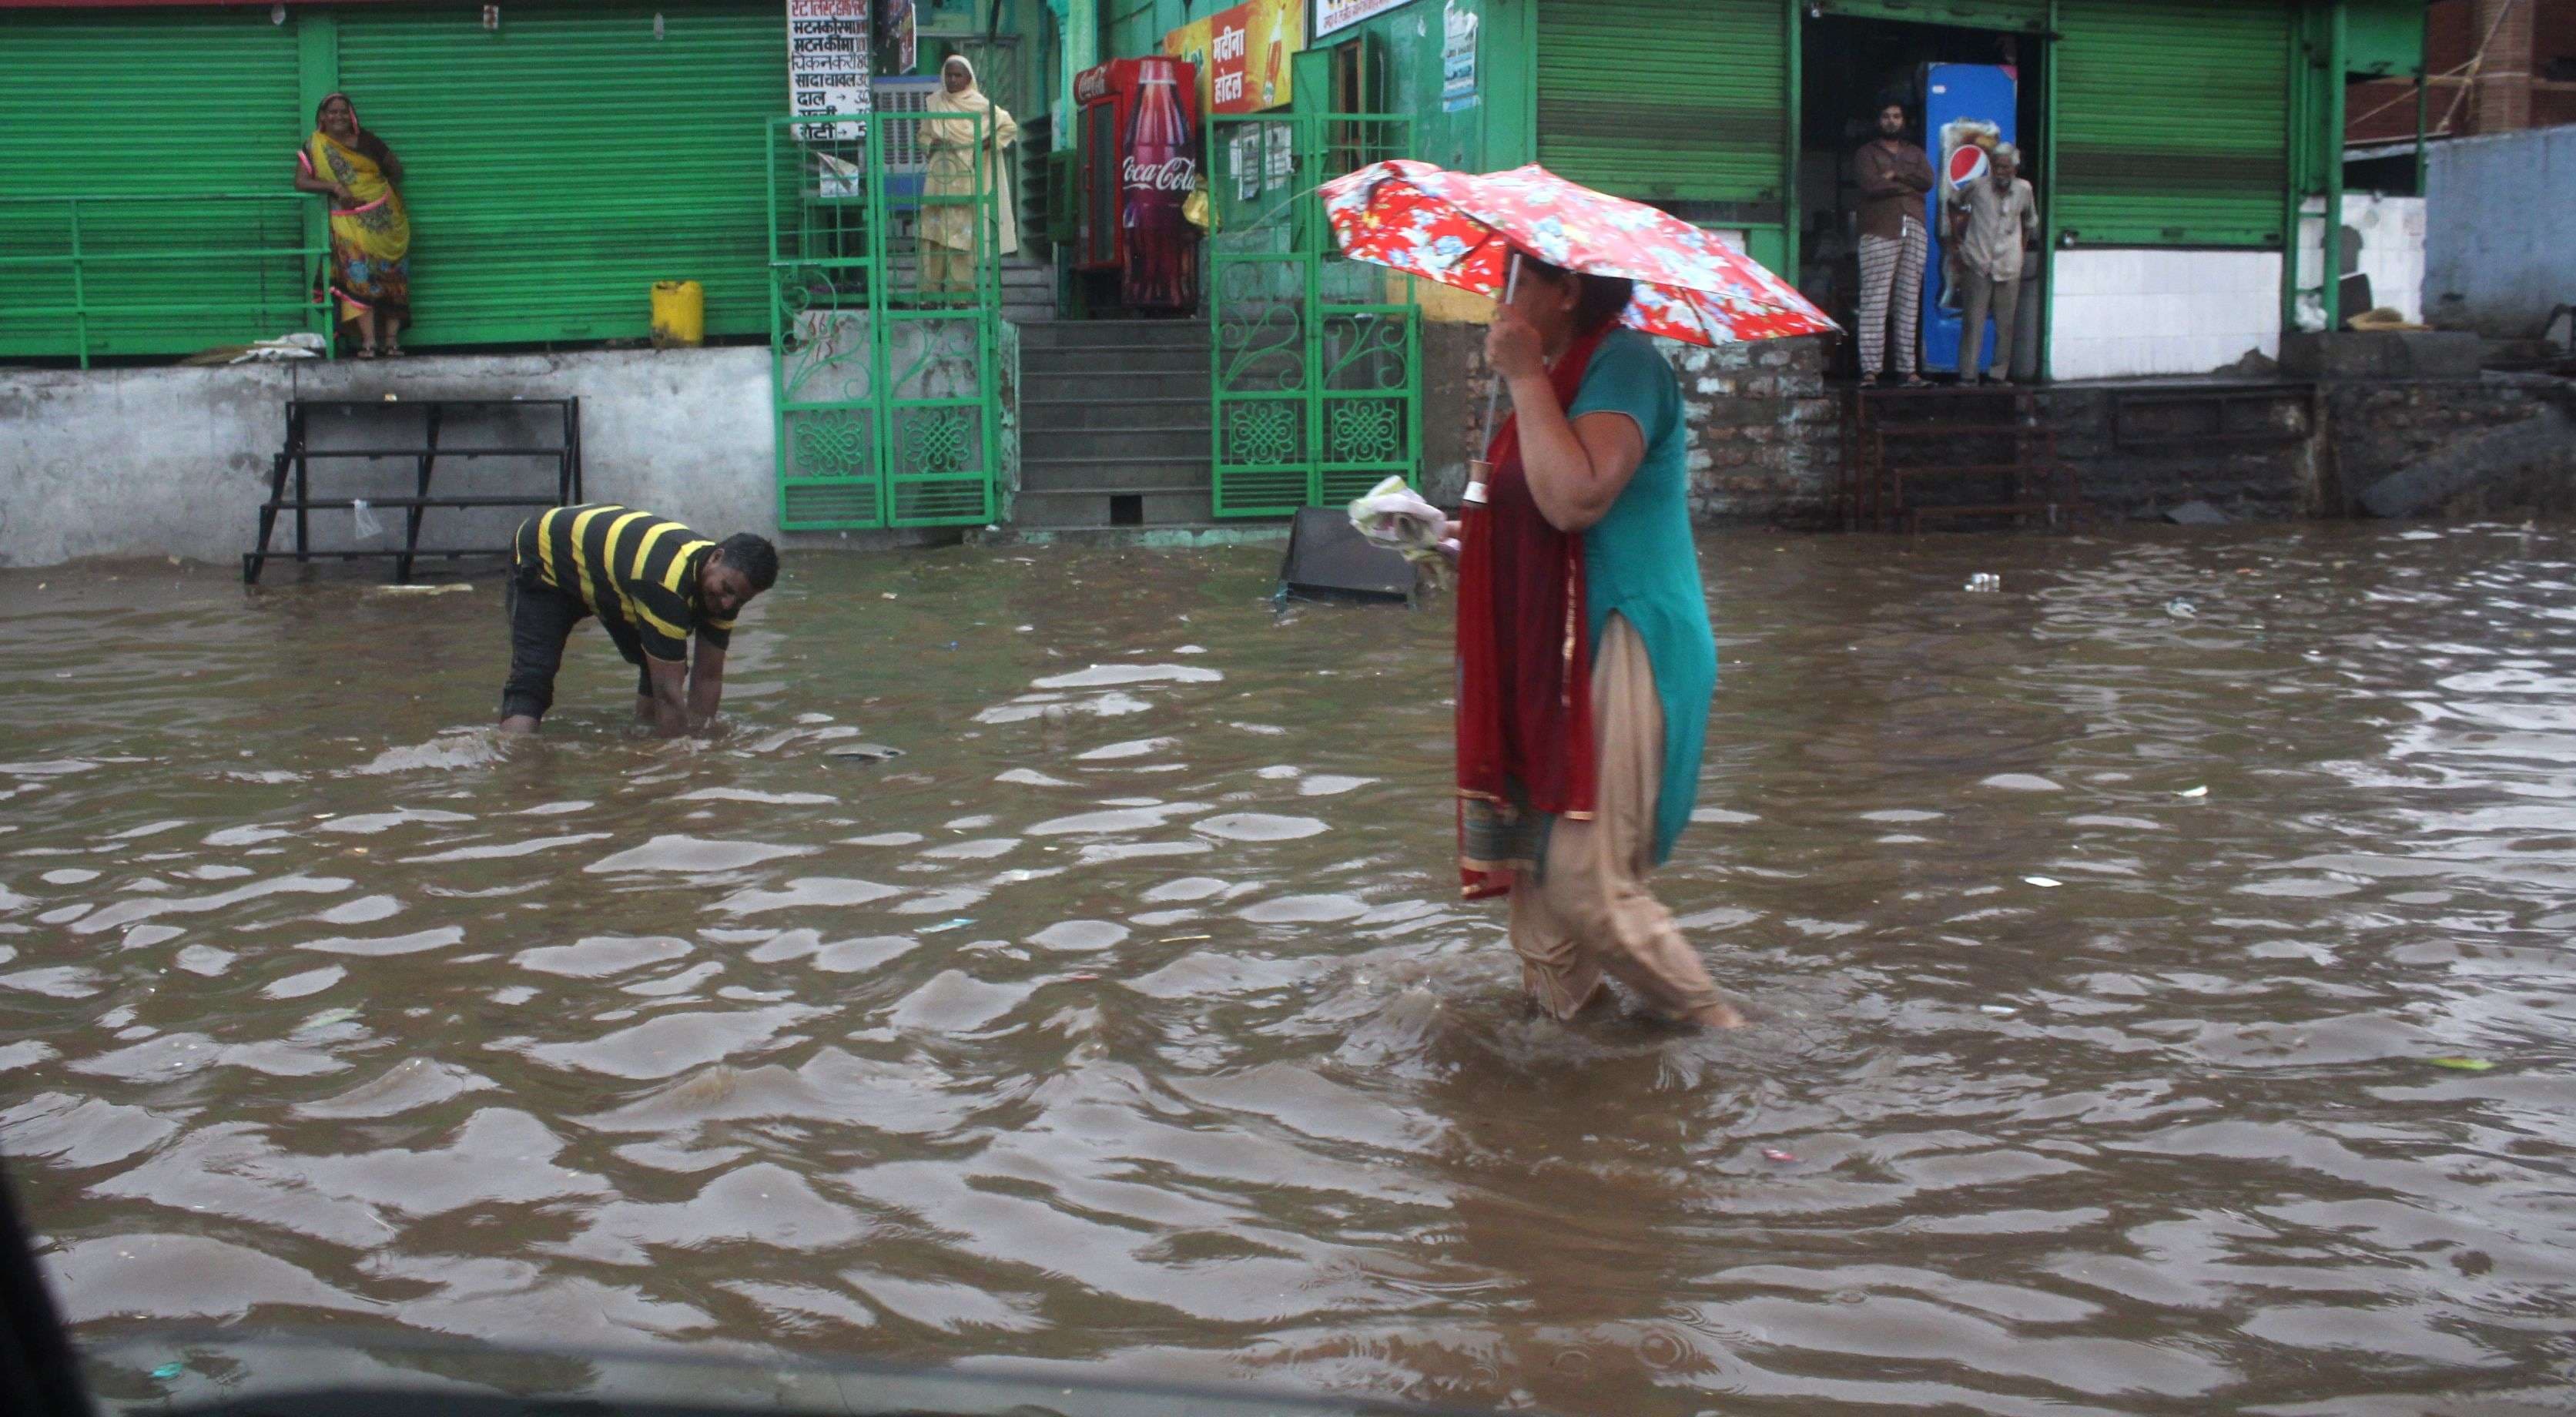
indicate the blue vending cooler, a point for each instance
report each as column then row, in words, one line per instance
column 1962, row 104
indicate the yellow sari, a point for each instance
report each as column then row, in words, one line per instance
column 370, row 242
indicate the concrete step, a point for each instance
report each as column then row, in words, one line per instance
column 1128, row 334
column 1133, row 372
column 1116, row 474
column 1227, row 531
column 1119, row 445
column 1046, row 510
column 1096, row 387
column 1115, row 413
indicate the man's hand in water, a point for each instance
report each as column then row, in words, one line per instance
column 669, row 706
column 706, row 686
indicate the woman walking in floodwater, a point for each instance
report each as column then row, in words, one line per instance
column 1585, row 655
column 370, row 230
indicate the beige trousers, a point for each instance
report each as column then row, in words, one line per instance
column 1976, row 293
column 1593, row 915
column 947, row 270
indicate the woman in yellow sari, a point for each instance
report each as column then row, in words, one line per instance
column 370, row 232
column 948, row 245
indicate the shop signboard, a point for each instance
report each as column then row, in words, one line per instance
column 1189, row 44
column 1331, row 15
column 1242, row 54
column 827, row 66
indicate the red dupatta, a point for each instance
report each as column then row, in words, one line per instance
column 1524, row 664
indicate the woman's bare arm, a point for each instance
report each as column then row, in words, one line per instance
column 1576, row 467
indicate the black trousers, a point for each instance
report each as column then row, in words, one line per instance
column 541, row 620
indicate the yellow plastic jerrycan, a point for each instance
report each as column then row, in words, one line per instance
column 679, row 314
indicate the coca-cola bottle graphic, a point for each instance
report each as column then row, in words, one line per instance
column 1156, row 172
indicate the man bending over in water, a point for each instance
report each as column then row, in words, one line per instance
column 652, row 582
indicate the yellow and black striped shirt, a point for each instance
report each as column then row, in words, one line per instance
column 637, row 572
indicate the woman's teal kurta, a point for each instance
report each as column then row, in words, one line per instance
column 1639, row 562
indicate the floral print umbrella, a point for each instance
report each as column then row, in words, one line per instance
column 1460, row 229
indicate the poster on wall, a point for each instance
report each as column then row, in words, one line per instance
column 1242, row 54
column 1331, row 15
column 901, row 32
column 1458, row 26
column 827, row 66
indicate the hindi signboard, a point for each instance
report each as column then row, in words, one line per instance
column 1331, row 15
column 827, row 65
column 1242, row 54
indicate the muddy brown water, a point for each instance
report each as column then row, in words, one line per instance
column 1129, row 1021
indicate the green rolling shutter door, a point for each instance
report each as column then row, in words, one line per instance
column 557, row 166
column 1665, row 100
column 165, row 105
column 1980, row 14
column 2173, row 122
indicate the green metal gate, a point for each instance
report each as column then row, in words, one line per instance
column 886, row 367
column 1318, row 382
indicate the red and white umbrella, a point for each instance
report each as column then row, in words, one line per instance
column 1460, row 229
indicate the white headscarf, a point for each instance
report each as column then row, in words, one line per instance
column 971, row 99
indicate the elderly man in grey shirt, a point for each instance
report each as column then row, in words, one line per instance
column 1992, row 222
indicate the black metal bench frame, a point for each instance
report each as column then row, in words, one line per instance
column 297, row 460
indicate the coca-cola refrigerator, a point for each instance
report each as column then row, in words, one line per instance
column 1140, row 159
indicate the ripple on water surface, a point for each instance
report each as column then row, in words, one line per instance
column 1131, row 1016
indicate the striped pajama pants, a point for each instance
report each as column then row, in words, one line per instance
column 1891, row 265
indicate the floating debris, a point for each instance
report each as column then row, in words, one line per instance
column 2044, row 882
column 2193, row 792
column 864, row 752
column 1985, row 581
column 1773, row 1153
column 2181, row 609
column 2464, row 1065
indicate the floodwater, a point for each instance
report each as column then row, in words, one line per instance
column 2104, row 932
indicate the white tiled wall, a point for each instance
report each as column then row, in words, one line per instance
column 2122, row 313
column 2392, row 249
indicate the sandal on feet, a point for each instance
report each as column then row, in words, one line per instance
column 366, row 351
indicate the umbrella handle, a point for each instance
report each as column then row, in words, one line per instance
column 1477, row 468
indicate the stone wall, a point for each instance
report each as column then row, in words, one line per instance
column 2380, row 429
column 2265, row 470
column 1766, row 436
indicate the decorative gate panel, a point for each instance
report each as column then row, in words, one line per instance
column 1318, row 390
column 885, row 322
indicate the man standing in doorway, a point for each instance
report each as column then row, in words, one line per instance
column 653, row 583
column 1994, row 222
column 1894, row 174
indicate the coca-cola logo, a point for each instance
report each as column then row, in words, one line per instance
column 1173, row 174
column 1091, row 85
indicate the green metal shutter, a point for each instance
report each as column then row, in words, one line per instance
column 1665, row 100
column 557, row 166
column 1978, row 14
column 2173, row 122
column 166, row 105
